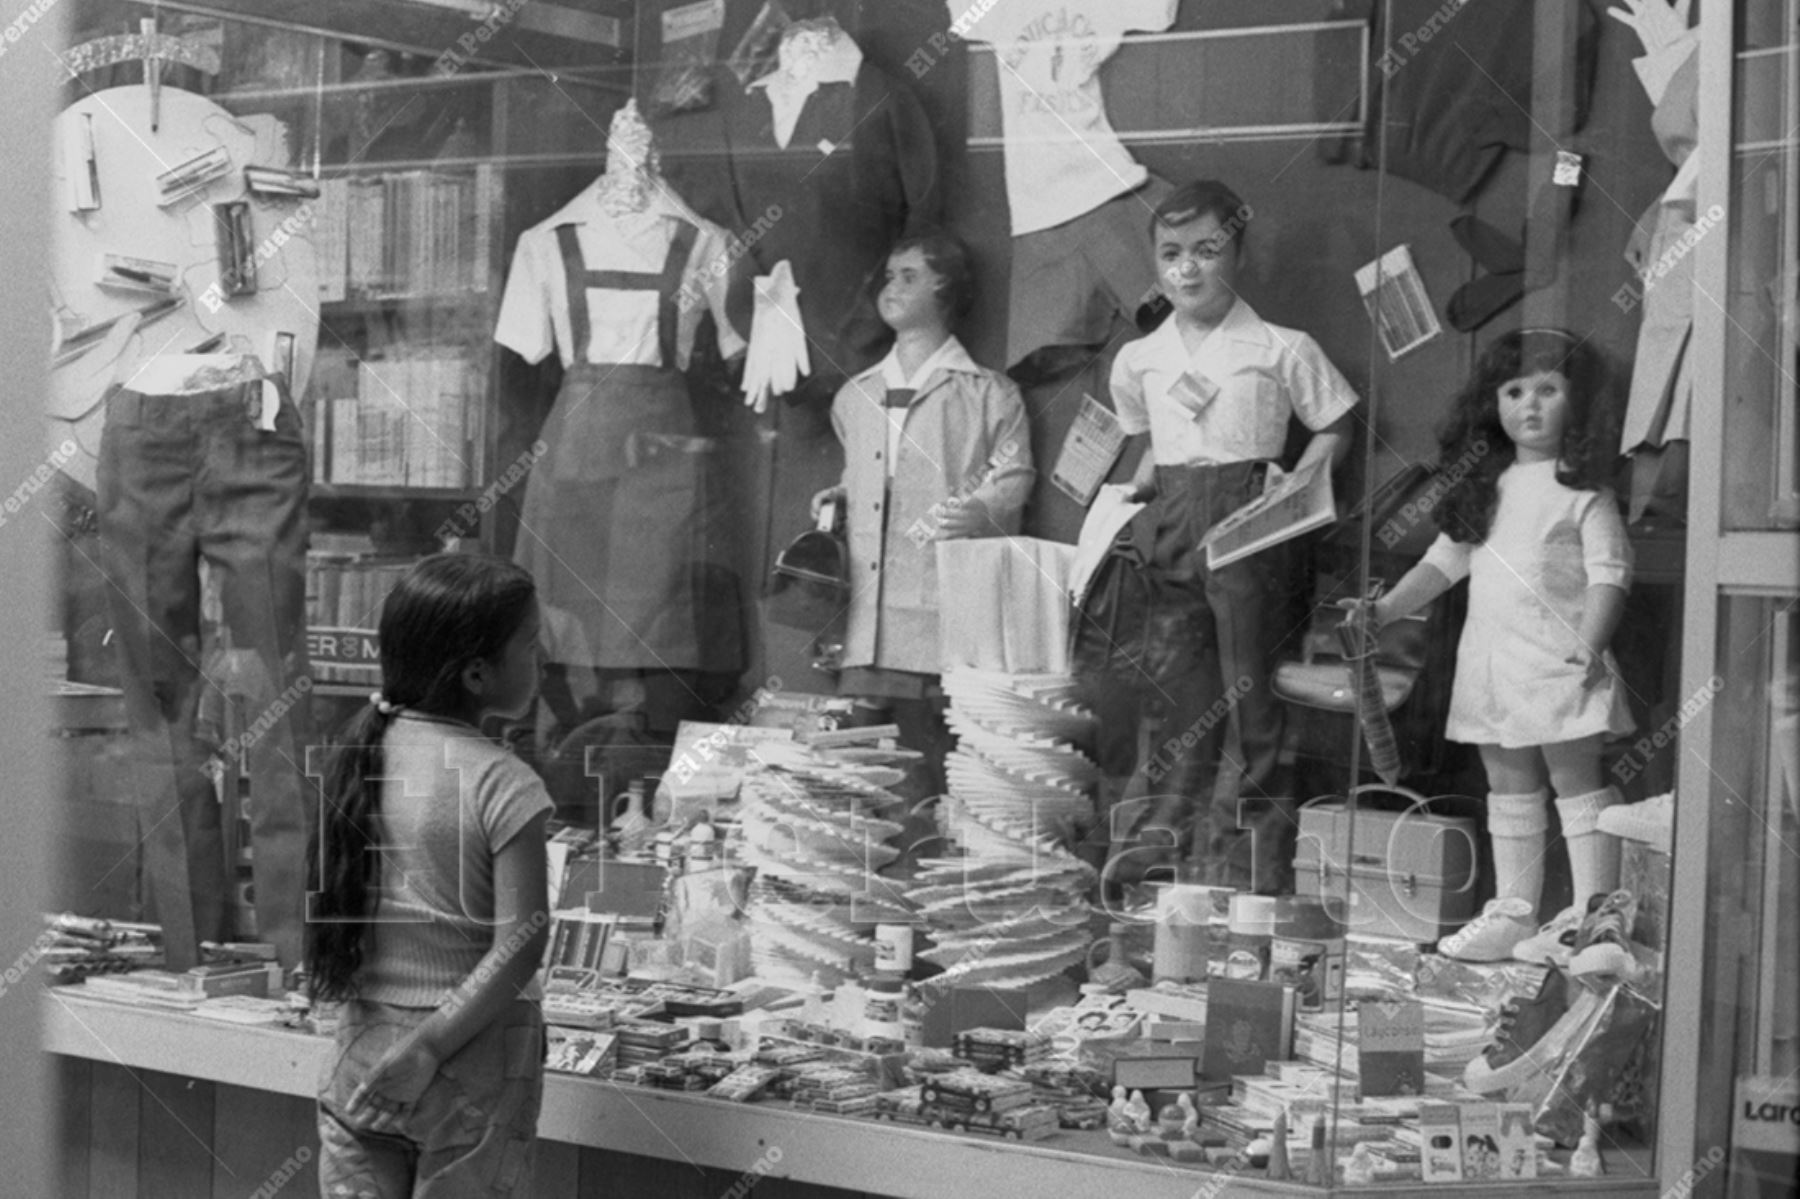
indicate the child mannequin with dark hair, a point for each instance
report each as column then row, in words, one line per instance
column 1540, row 539
column 935, row 448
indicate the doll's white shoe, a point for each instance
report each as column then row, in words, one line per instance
column 1554, row 941
column 1651, row 821
column 1491, row 936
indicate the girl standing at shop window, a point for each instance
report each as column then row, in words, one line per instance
column 935, row 448
column 1537, row 691
column 428, row 900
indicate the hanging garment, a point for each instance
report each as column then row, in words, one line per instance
column 615, row 520
column 210, row 465
column 1459, row 87
column 1662, row 384
column 857, row 172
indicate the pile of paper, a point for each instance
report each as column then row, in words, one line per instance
column 817, row 833
column 1009, row 921
column 1018, row 766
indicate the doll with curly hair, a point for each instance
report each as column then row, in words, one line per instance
column 1528, row 521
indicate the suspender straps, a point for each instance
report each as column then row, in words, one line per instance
column 667, row 285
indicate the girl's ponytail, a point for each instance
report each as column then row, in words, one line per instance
column 343, row 869
column 448, row 611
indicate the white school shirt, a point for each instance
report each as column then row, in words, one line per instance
column 949, row 354
column 1263, row 374
column 1062, row 157
column 534, row 312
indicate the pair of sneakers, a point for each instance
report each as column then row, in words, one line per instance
column 1584, row 939
column 1591, row 940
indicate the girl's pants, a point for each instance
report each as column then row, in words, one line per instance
column 469, row 1135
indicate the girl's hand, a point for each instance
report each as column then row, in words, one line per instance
column 828, row 496
column 1593, row 665
column 388, row 1094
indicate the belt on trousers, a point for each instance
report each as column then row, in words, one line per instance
column 1171, row 479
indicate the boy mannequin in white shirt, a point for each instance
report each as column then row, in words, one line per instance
column 1214, row 388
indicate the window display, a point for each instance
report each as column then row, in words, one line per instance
column 1185, row 826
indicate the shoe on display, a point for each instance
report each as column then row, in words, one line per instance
column 1652, row 821
column 1603, row 948
column 1510, row 1064
column 1522, row 1022
column 1554, row 942
column 1491, row 936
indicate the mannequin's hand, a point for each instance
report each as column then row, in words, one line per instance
column 387, row 1096
column 1657, row 25
column 964, row 518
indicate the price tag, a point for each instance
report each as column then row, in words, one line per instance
column 1194, row 393
column 271, row 404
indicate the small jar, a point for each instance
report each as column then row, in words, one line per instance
column 883, row 997
column 893, row 948
column 1251, row 936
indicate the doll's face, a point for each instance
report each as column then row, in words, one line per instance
column 910, row 297
column 1534, row 409
column 1197, row 267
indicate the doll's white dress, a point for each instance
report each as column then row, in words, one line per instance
column 1527, row 585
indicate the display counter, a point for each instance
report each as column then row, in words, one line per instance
column 707, row 1145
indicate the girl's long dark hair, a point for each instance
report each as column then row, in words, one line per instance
column 1474, row 449
column 449, row 610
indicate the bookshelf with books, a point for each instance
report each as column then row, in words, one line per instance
column 428, row 165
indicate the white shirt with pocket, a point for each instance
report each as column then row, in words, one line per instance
column 1231, row 400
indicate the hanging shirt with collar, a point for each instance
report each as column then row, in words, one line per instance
column 965, row 436
column 788, row 91
column 1230, row 402
column 534, row 313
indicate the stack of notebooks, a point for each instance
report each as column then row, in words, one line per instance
column 1019, row 762
column 1452, row 1035
column 1008, row 919
column 817, row 833
column 642, row 1042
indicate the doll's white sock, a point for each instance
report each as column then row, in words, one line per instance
column 1517, row 826
column 1593, row 855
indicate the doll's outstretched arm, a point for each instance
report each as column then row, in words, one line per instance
column 1602, row 606
column 1418, row 587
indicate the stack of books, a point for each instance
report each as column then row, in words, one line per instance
column 414, row 420
column 405, row 234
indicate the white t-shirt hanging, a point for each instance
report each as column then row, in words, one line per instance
column 1062, row 157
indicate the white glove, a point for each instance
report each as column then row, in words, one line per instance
column 1663, row 32
column 777, row 357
